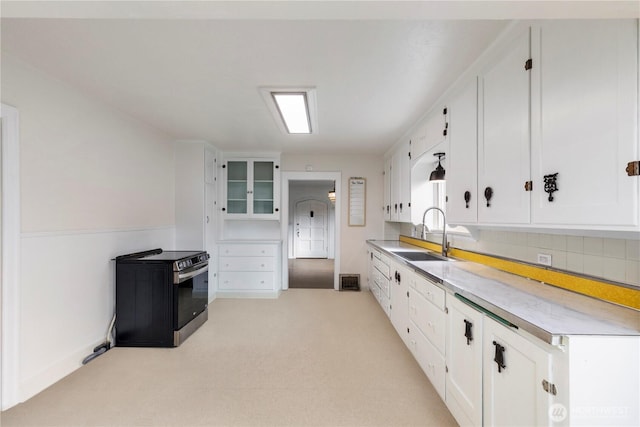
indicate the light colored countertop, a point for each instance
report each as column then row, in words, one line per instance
column 544, row 311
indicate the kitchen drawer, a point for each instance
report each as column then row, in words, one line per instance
column 431, row 321
column 381, row 266
column 375, row 290
column 247, row 263
column 245, row 281
column 383, row 284
column 429, row 359
column 431, row 292
column 248, row 250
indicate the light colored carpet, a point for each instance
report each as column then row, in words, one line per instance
column 309, row 358
column 311, row 273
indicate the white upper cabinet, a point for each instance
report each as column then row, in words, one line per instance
column 585, row 117
column 431, row 132
column 252, row 188
column 462, row 178
column 404, row 207
column 398, row 181
column 387, row 189
column 503, row 139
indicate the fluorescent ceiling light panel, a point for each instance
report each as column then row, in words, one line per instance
column 299, row 102
column 294, row 111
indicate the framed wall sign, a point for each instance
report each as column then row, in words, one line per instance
column 357, row 201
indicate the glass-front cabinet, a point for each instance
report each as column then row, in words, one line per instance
column 252, row 189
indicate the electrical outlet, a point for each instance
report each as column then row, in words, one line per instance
column 544, row 259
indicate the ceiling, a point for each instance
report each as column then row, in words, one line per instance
column 194, row 69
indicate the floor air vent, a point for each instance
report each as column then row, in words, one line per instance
column 349, row 282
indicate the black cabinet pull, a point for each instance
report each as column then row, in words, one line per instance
column 499, row 357
column 400, row 207
column 277, row 210
column 396, row 207
column 467, row 197
column 488, row 193
column 550, row 184
column 467, row 331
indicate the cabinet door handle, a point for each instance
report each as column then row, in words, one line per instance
column 396, row 207
column 400, row 207
column 467, row 197
column 499, row 356
column 467, row 331
column 488, row 193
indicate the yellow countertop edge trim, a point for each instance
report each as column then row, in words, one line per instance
column 593, row 288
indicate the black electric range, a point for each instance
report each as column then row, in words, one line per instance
column 161, row 297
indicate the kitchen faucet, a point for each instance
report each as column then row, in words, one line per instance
column 444, row 228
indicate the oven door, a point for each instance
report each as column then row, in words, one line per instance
column 190, row 294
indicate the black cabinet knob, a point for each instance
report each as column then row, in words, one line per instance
column 467, row 197
column 488, row 193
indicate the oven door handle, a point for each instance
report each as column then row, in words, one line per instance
column 186, row 275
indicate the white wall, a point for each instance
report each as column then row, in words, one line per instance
column 94, row 184
column 352, row 245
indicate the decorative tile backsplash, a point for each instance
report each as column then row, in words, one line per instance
column 611, row 259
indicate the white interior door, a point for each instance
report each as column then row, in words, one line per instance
column 311, row 229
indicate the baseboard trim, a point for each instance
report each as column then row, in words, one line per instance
column 248, row 294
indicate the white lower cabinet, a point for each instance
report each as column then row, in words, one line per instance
column 249, row 269
column 399, row 309
column 379, row 279
column 429, row 358
column 427, row 330
column 492, row 373
column 513, row 370
column 464, row 362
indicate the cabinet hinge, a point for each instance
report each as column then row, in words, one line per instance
column 528, row 186
column 549, row 387
column 529, row 64
column 633, row 168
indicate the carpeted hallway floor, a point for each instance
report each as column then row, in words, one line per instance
column 309, row 358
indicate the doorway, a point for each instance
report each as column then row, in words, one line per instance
column 310, row 230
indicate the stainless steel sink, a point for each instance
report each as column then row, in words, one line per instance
column 419, row 256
